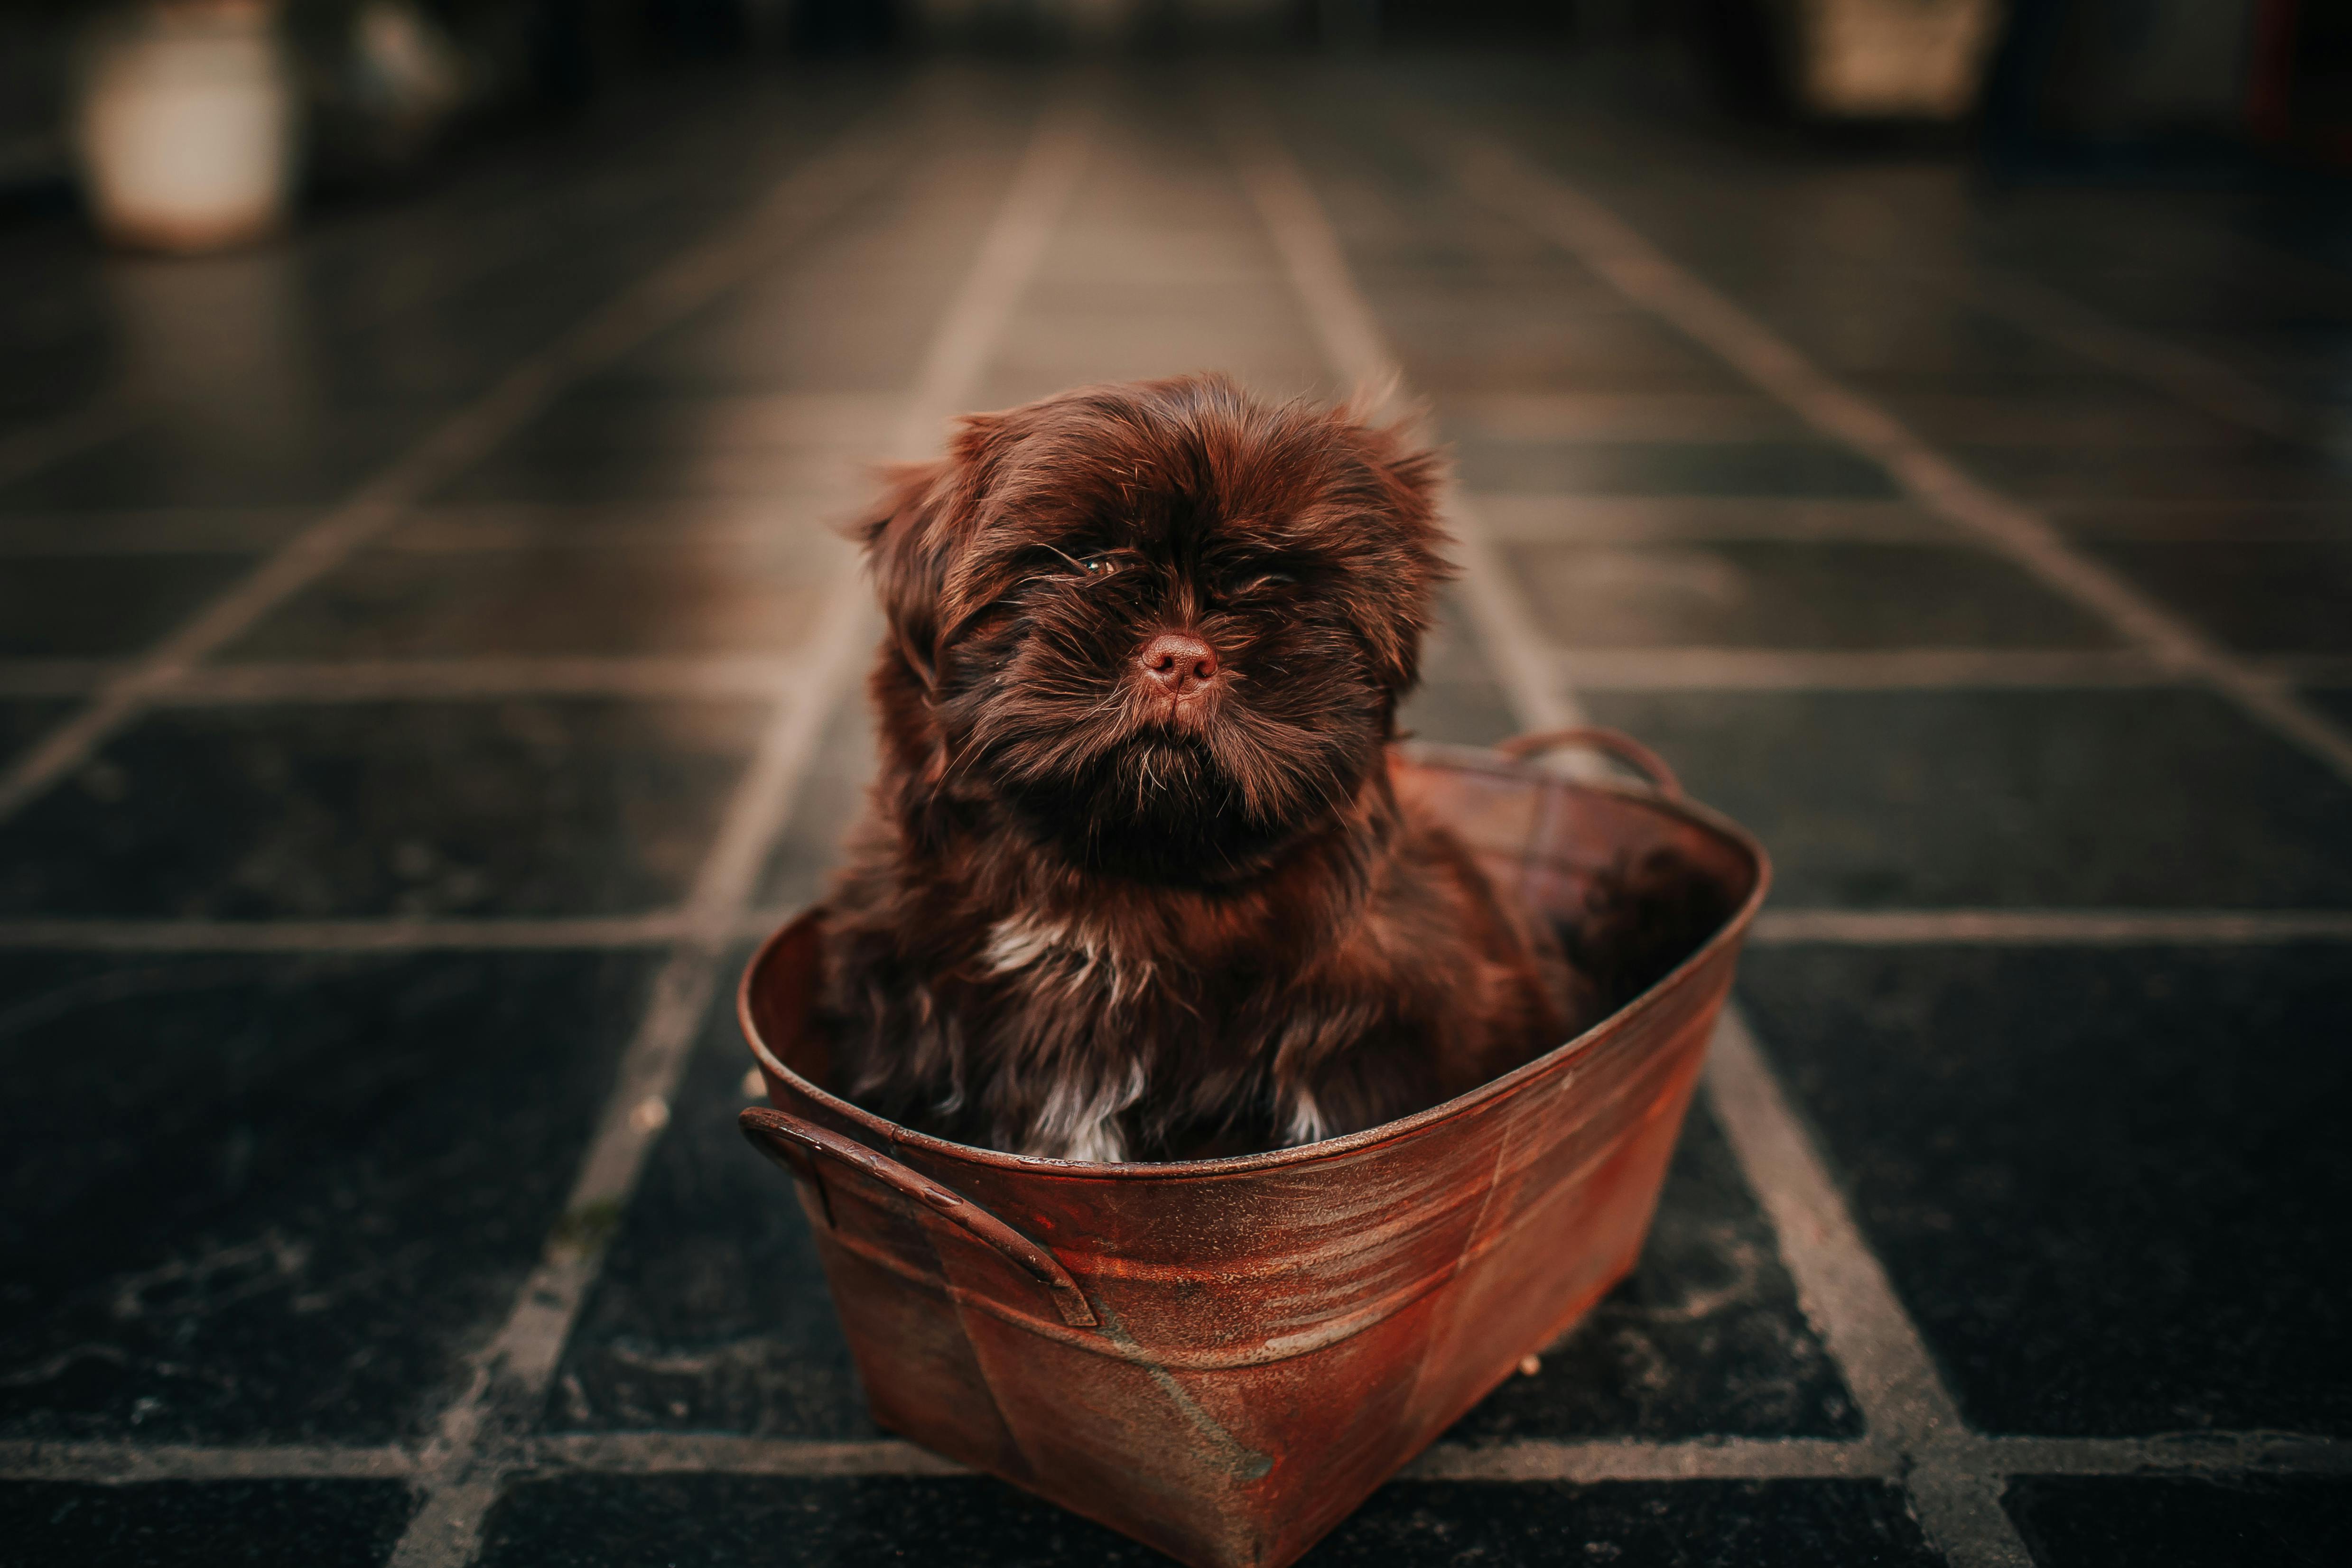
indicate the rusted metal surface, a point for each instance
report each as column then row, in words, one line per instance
column 1222, row 1358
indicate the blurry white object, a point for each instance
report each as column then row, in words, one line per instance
column 187, row 125
column 407, row 77
column 1892, row 58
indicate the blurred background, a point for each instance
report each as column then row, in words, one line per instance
column 428, row 661
column 380, row 89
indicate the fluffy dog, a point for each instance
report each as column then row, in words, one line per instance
column 1133, row 883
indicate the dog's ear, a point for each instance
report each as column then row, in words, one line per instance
column 917, row 529
column 1407, row 476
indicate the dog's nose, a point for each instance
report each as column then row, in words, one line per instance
column 1181, row 663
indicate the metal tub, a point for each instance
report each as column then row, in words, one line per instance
column 1222, row 1358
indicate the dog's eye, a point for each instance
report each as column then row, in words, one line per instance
column 1099, row 563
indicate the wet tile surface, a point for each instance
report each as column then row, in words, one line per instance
column 692, row 1521
column 2059, row 798
column 1766, row 593
column 191, row 1525
column 257, row 1198
column 2149, row 1522
column 540, row 806
column 2103, row 1182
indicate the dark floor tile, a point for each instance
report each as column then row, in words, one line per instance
column 2060, row 798
column 831, row 801
column 288, row 456
column 2142, row 419
column 686, row 1521
column 166, row 531
column 2264, row 596
column 553, row 598
column 2337, row 703
column 25, row 720
column 586, row 475
column 2039, row 472
column 2153, row 1522
column 1610, row 352
column 1458, row 713
column 1704, row 1338
column 267, row 1198
column 2108, row 1184
column 81, row 607
column 1631, row 1524
column 540, row 807
column 1857, row 323
column 1774, row 594
column 1670, row 468
column 711, row 1311
column 2220, row 522
column 708, row 1521
column 201, row 1524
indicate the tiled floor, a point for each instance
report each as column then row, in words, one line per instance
column 426, row 662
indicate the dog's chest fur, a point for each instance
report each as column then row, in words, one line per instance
column 1162, row 1028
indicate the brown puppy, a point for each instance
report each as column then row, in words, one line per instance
column 1133, row 883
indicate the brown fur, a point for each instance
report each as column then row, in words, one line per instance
column 1085, row 920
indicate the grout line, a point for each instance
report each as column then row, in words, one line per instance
column 2209, row 1453
column 724, row 674
column 1880, row 669
column 35, row 1459
column 366, row 680
column 1523, row 1459
column 1640, row 1459
column 2192, row 378
column 1359, row 353
column 1773, row 928
column 2047, row 927
column 390, row 934
column 53, row 677
column 1644, row 275
column 1566, row 517
column 1842, row 1286
column 696, row 1453
column 1848, row 1299
column 481, row 1435
column 856, row 160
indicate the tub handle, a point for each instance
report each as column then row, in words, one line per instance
column 1624, row 747
column 773, row 1132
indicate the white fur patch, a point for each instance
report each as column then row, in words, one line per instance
column 1063, row 956
column 1080, row 1122
column 1307, row 1125
column 1020, row 940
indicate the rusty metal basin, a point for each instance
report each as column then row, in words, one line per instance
column 1222, row 1358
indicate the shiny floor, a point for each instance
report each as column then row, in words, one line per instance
column 424, row 664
